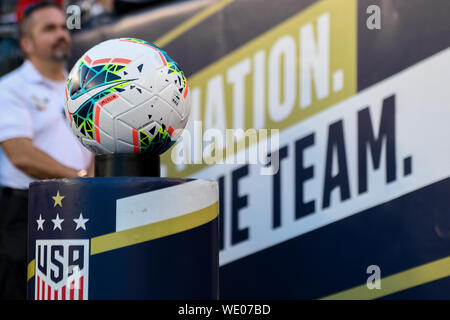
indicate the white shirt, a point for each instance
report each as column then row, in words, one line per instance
column 32, row 106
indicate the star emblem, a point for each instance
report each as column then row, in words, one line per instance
column 58, row 200
column 40, row 223
column 81, row 222
column 57, row 222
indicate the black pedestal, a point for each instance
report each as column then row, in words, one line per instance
column 125, row 164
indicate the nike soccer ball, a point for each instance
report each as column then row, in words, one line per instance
column 127, row 96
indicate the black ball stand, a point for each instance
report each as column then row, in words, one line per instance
column 127, row 164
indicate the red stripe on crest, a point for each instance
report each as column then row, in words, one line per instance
column 80, row 291
column 63, row 293
column 49, row 293
column 72, row 291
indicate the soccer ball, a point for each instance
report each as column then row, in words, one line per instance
column 127, row 96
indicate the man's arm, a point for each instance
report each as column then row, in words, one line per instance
column 91, row 169
column 33, row 161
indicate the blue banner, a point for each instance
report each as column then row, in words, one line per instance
column 122, row 238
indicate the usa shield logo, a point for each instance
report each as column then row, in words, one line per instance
column 62, row 269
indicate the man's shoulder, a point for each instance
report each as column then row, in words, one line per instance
column 13, row 80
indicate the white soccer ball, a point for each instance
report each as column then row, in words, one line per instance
column 127, row 96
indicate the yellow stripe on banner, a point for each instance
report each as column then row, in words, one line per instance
column 153, row 231
column 216, row 93
column 190, row 23
column 31, row 267
column 398, row 282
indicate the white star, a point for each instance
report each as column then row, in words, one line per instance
column 57, row 222
column 40, row 223
column 81, row 223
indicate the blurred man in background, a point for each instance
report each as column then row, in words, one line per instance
column 36, row 142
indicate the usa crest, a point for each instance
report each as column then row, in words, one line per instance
column 85, row 243
column 61, row 251
column 62, row 269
